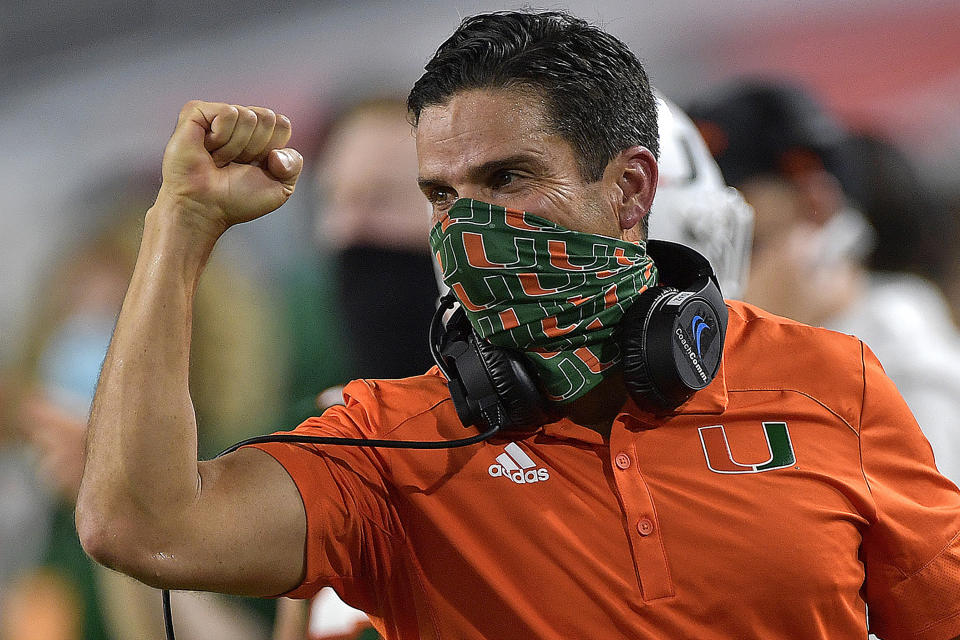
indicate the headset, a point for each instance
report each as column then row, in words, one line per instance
column 671, row 341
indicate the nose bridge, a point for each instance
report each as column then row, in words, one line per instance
column 468, row 190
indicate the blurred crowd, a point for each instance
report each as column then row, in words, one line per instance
column 845, row 234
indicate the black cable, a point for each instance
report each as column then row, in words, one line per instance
column 167, row 613
column 364, row 442
column 446, row 302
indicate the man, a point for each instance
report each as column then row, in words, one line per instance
column 692, row 206
column 671, row 523
column 342, row 307
column 367, row 178
column 841, row 221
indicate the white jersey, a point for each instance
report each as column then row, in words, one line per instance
column 906, row 323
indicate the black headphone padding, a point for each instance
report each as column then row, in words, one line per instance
column 522, row 400
column 637, row 375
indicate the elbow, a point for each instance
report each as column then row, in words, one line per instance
column 101, row 536
column 111, row 538
column 128, row 543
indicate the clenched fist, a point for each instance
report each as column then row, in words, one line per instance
column 227, row 164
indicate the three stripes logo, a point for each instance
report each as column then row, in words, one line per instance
column 516, row 465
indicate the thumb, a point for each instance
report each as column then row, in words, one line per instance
column 285, row 165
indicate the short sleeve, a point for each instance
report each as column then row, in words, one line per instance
column 351, row 524
column 911, row 549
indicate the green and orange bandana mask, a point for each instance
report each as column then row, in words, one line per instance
column 529, row 284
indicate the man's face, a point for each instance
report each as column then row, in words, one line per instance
column 367, row 175
column 493, row 145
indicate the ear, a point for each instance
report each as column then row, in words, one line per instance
column 633, row 174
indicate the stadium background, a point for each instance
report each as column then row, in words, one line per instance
column 89, row 91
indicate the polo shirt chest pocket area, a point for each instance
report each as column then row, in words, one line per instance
column 746, row 500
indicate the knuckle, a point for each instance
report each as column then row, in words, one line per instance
column 266, row 119
column 246, row 114
column 189, row 108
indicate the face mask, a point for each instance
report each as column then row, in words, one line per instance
column 529, row 284
column 70, row 364
column 372, row 284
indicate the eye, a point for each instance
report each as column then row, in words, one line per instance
column 439, row 196
column 502, row 179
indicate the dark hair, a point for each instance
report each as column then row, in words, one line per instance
column 597, row 94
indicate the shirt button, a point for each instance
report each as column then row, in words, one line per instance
column 645, row 526
column 622, row 461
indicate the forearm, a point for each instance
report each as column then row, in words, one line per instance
column 141, row 467
column 142, row 507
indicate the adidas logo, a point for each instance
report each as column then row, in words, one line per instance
column 517, row 466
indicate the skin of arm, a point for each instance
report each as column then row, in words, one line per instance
column 291, row 622
column 146, row 506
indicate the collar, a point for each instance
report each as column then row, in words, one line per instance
column 709, row 401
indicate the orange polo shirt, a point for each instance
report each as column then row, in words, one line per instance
column 776, row 503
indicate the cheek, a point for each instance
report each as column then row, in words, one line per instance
column 557, row 201
column 584, row 209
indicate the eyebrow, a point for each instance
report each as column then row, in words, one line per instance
column 478, row 173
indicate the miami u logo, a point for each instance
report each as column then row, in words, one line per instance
column 720, row 458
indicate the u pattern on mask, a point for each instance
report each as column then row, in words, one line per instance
column 529, row 284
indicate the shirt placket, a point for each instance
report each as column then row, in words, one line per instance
column 640, row 514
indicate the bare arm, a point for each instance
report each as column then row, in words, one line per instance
column 146, row 506
column 292, row 617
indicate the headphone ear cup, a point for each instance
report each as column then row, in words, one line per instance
column 633, row 336
column 516, row 388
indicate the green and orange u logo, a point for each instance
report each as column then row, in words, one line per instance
column 720, row 458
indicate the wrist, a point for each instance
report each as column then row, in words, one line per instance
column 185, row 216
column 177, row 235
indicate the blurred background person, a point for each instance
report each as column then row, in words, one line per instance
column 951, row 276
column 367, row 180
column 917, row 228
column 845, row 230
column 360, row 305
column 63, row 594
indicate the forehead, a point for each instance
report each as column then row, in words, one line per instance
column 475, row 125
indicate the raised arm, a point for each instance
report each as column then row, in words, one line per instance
column 146, row 506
